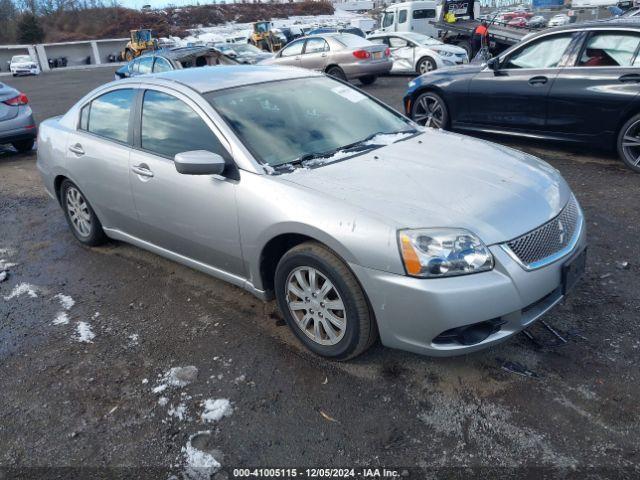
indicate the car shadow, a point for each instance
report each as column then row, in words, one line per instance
column 8, row 153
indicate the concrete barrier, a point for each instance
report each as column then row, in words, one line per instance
column 80, row 54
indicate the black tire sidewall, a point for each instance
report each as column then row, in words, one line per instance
column 352, row 333
column 368, row 79
column 336, row 72
column 426, row 60
column 445, row 122
column 619, row 142
column 96, row 236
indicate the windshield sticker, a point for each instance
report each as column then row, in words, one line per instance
column 349, row 93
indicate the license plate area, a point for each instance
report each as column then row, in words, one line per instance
column 572, row 270
column 377, row 55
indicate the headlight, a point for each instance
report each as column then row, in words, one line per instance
column 443, row 252
column 443, row 53
column 412, row 83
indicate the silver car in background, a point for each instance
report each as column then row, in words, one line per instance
column 341, row 55
column 289, row 183
column 17, row 126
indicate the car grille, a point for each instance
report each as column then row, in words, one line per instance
column 549, row 239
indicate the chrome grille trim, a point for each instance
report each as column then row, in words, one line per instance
column 549, row 242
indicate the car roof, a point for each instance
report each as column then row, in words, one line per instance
column 592, row 25
column 207, row 79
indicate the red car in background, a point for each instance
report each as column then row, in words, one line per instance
column 518, row 22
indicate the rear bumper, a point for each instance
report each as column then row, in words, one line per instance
column 21, row 127
column 364, row 69
column 413, row 313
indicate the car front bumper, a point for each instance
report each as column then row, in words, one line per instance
column 412, row 312
column 25, row 71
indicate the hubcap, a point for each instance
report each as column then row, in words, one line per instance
column 631, row 144
column 429, row 112
column 78, row 211
column 426, row 66
column 316, row 306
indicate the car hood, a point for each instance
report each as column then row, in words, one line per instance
column 441, row 179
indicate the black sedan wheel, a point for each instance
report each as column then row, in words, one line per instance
column 629, row 143
column 430, row 110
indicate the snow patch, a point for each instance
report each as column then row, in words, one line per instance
column 200, row 465
column 160, row 388
column 22, row 289
column 177, row 377
column 215, row 410
column 66, row 301
column 133, row 339
column 162, row 401
column 180, row 412
column 84, row 333
column 61, row 319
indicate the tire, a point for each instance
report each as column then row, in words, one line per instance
column 24, row 146
column 628, row 143
column 467, row 47
column 128, row 55
column 368, row 80
column 425, row 65
column 430, row 110
column 355, row 330
column 87, row 229
column 336, row 72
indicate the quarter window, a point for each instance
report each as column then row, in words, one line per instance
column 294, row 49
column 609, row 50
column 315, row 45
column 396, row 42
column 402, row 16
column 170, row 126
column 544, row 53
column 108, row 115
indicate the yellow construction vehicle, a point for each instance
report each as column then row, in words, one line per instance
column 141, row 41
column 264, row 38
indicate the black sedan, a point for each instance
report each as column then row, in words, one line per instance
column 576, row 83
column 167, row 59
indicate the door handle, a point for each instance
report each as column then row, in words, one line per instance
column 630, row 78
column 77, row 149
column 538, row 80
column 142, row 170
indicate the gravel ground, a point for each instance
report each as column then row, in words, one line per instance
column 86, row 355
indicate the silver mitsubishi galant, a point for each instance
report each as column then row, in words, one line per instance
column 292, row 184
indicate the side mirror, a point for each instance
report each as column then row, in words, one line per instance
column 494, row 64
column 199, row 162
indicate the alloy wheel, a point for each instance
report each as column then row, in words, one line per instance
column 426, row 66
column 316, row 305
column 78, row 211
column 631, row 144
column 429, row 112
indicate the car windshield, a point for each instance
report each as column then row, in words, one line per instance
column 299, row 120
column 21, row 58
column 422, row 39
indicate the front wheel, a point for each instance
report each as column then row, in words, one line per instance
column 430, row 110
column 426, row 64
column 81, row 218
column 629, row 143
column 323, row 303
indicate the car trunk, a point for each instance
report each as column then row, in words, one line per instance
column 7, row 112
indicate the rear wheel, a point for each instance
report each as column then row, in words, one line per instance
column 426, row 64
column 323, row 303
column 336, row 72
column 23, row 145
column 368, row 80
column 430, row 110
column 81, row 218
column 629, row 143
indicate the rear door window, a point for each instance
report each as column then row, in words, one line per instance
column 610, row 49
column 316, row 45
column 108, row 115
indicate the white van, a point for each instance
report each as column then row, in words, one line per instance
column 410, row 17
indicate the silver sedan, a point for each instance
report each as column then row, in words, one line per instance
column 341, row 55
column 288, row 183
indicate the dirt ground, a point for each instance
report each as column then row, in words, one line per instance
column 88, row 342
